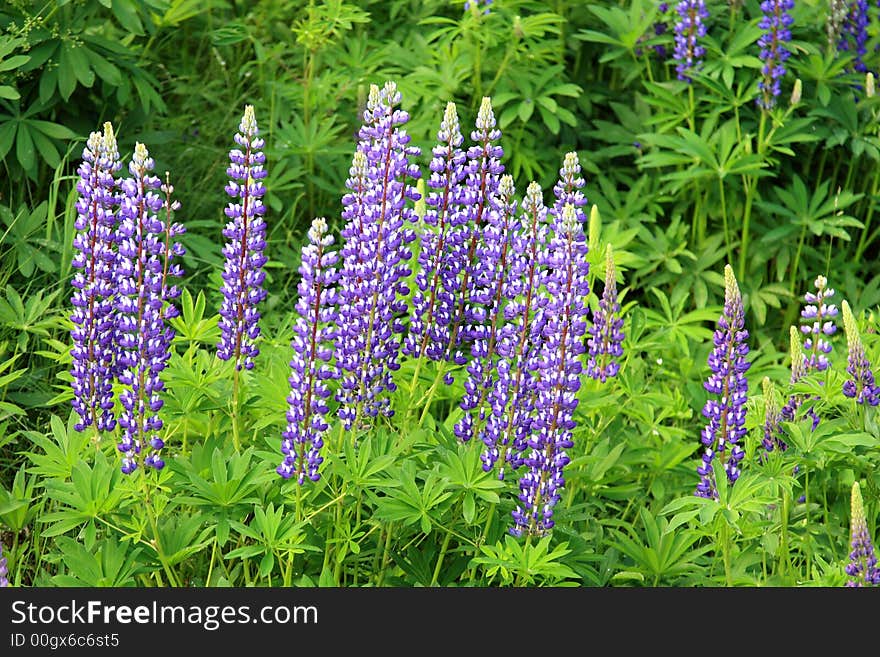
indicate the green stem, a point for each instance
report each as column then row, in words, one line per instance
column 725, row 546
column 439, row 565
column 783, row 519
column 385, row 553
column 236, row 442
column 154, row 524
column 724, row 220
column 750, row 198
column 429, row 396
column 860, row 249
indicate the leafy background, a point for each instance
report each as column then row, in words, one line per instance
column 685, row 177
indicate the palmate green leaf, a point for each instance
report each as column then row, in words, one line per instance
column 526, row 564
column 407, row 502
column 92, row 492
column 110, row 563
column 62, row 450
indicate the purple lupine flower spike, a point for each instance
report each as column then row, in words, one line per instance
column 93, row 333
column 775, row 22
column 4, row 570
column 519, row 341
column 853, row 34
column 493, row 251
column 862, row 567
column 311, row 366
column 772, row 439
column 688, row 30
column 243, row 273
column 484, row 170
column 798, row 371
column 567, row 289
column 146, row 253
column 817, row 319
column 726, row 410
column 440, row 256
column 860, row 385
column 372, row 285
column 605, row 343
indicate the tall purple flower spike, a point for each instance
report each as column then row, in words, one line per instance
column 726, row 408
column 690, row 26
column 817, row 319
column 605, row 343
column 372, row 280
column 484, row 170
column 311, row 365
column 4, row 570
column 860, row 384
column 93, row 332
column 519, row 341
column 143, row 303
column 494, row 251
column 558, row 380
column 862, row 567
column 441, row 256
column 775, row 22
column 243, row 273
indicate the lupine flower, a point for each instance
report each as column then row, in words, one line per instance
column 772, row 439
column 243, row 273
column 688, row 30
column 775, row 22
column 4, row 570
column 860, row 384
column 817, row 319
column 478, row 5
column 726, row 411
column 605, row 343
column 567, row 290
column 862, row 567
column 493, row 251
column 93, row 332
column 484, row 170
column 442, row 246
column 659, row 27
column 145, row 259
column 834, row 21
column 853, row 35
column 798, row 371
column 519, row 342
column 311, row 366
column 372, row 286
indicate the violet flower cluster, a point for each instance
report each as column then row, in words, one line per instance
column 486, row 312
column 726, row 410
column 689, row 28
column 93, row 317
column 860, row 384
column 862, row 568
column 372, row 280
column 4, row 570
column 476, row 275
column 606, row 335
column 817, row 322
column 311, row 365
column 145, row 261
column 442, row 253
column 775, row 23
column 513, row 394
column 243, row 273
column 853, row 34
column 772, row 439
column 558, row 378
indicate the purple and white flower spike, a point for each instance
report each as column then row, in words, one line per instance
column 726, row 409
column 311, row 365
column 690, row 26
column 372, row 280
column 146, row 253
column 605, row 344
column 862, row 567
column 860, row 384
column 243, row 273
column 558, row 379
column 93, row 333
